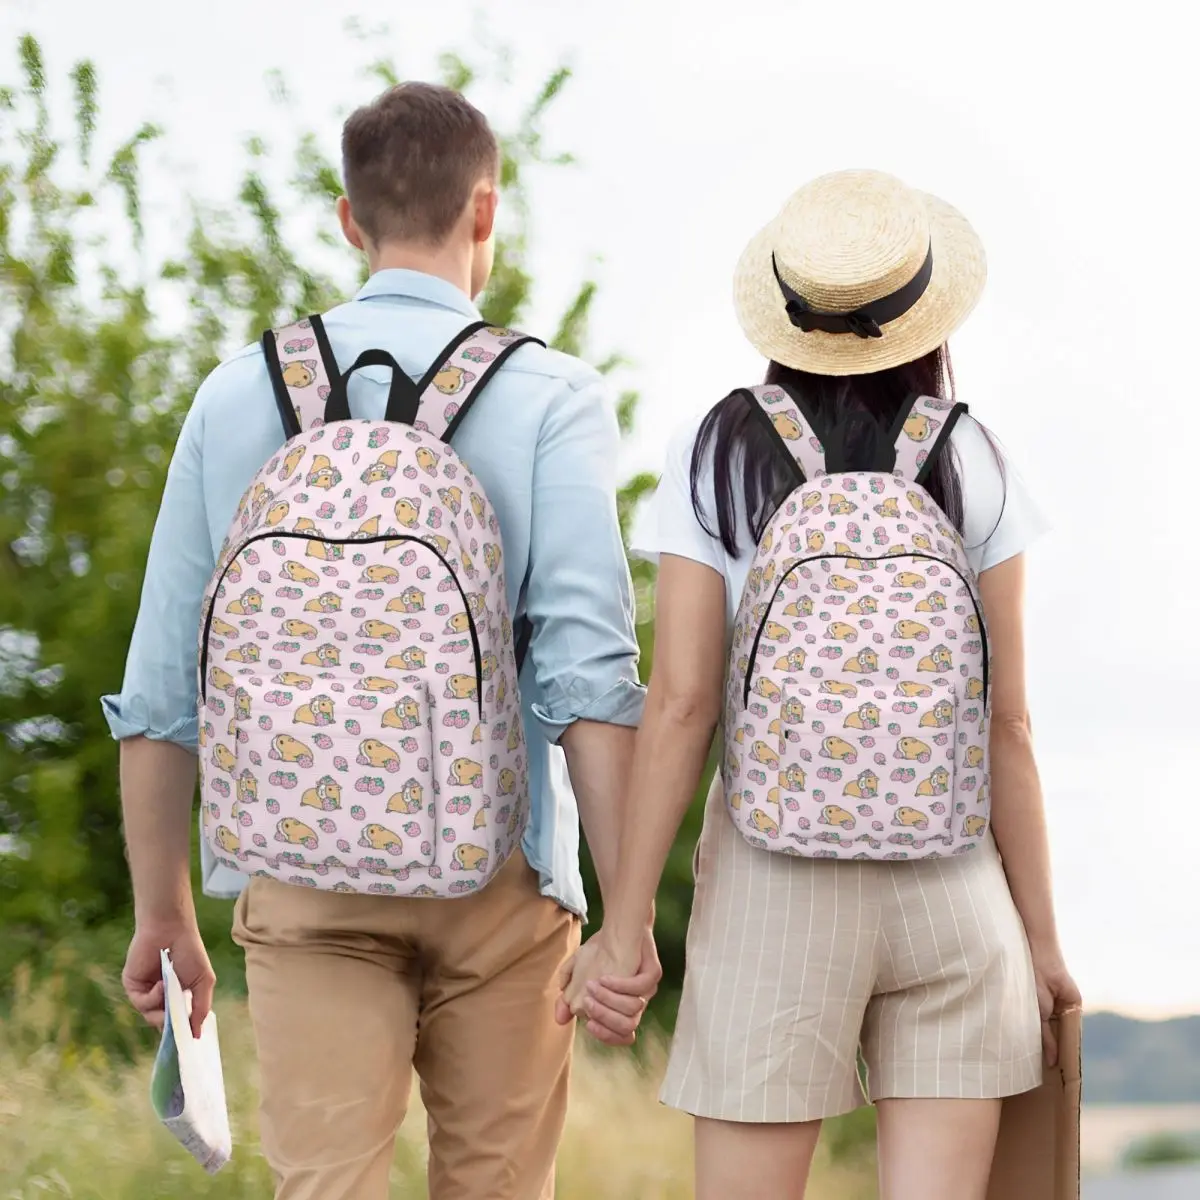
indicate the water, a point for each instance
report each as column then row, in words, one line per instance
column 1161, row 1183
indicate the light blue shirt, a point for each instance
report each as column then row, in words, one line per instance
column 544, row 442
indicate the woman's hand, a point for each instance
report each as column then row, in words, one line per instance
column 1056, row 992
column 610, row 987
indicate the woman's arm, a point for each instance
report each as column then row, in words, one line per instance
column 683, row 704
column 1018, row 814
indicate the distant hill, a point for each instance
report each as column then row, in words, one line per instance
column 1140, row 1062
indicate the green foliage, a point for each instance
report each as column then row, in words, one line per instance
column 1162, row 1149
column 89, row 394
column 93, row 387
column 850, row 1138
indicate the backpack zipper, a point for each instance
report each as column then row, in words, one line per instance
column 844, row 558
column 353, row 541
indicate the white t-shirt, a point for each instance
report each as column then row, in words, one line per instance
column 1000, row 518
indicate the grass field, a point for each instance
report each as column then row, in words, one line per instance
column 73, row 1124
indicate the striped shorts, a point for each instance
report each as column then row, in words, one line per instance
column 795, row 966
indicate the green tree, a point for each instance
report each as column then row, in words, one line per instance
column 93, row 386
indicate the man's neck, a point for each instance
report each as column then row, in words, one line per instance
column 451, row 263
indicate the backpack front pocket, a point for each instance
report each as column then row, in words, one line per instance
column 335, row 795
column 860, row 773
column 823, row 774
column 398, row 835
column 915, row 753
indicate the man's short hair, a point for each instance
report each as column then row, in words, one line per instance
column 410, row 160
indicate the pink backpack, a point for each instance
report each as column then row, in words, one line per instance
column 360, row 718
column 857, row 695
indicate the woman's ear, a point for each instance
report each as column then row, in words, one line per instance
column 350, row 229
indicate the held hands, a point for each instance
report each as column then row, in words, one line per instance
column 609, row 987
column 142, row 977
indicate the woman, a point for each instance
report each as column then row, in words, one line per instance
column 930, row 951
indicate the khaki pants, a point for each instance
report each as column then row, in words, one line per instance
column 348, row 993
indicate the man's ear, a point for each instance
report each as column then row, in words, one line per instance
column 486, row 199
column 350, row 229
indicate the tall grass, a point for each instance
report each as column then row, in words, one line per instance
column 76, row 1123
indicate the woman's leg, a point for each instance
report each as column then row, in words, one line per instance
column 780, row 968
column 953, row 1027
column 753, row 1162
column 936, row 1149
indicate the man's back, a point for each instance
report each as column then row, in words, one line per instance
column 350, row 993
column 542, row 439
column 413, row 317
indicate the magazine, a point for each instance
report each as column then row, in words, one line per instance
column 187, row 1088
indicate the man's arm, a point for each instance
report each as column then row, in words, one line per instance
column 155, row 718
column 158, row 780
column 579, row 599
column 598, row 759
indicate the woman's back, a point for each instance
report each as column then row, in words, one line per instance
column 1000, row 517
column 859, row 700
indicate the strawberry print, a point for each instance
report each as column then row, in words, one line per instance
column 364, row 687
column 907, row 694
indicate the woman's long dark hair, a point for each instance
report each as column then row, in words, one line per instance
column 746, row 458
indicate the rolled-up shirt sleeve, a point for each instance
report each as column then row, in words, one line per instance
column 159, row 695
column 579, row 596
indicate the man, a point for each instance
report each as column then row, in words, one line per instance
column 349, row 992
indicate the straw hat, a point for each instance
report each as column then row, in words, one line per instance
column 858, row 273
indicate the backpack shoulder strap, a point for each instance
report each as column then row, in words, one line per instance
column 921, row 432
column 791, row 424
column 460, row 373
column 301, row 365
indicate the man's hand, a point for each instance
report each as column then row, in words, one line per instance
column 609, row 988
column 157, row 782
column 142, row 977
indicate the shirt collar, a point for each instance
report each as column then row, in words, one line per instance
column 416, row 285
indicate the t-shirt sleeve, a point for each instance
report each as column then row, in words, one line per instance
column 669, row 524
column 1000, row 516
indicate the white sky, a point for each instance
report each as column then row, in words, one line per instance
column 1066, row 136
